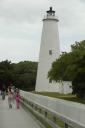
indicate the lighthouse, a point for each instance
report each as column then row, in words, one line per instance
column 49, row 52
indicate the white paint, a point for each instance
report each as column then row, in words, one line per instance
column 49, row 41
column 70, row 110
column 61, row 87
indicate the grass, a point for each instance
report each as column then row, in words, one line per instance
column 69, row 97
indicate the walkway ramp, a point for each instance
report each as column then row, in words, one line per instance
column 15, row 118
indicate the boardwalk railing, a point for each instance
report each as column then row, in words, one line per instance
column 55, row 113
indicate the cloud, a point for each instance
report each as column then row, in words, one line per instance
column 72, row 22
column 18, row 50
column 21, row 26
column 22, row 9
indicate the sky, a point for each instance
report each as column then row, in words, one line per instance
column 21, row 26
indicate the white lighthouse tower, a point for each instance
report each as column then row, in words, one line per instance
column 49, row 51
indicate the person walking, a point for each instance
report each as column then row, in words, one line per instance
column 3, row 92
column 17, row 98
column 10, row 97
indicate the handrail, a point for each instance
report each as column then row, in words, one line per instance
column 45, row 112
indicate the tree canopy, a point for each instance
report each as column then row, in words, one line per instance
column 71, row 66
column 21, row 75
column 25, row 75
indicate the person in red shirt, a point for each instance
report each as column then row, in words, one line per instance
column 17, row 98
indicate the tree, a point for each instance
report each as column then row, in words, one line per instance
column 71, row 66
column 6, row 73
column 25, row 75
column 21, row 75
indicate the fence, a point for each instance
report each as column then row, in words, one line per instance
column 55, row 113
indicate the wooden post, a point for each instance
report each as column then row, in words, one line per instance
column 66, row 125
column 45, row 114
column 54, row 119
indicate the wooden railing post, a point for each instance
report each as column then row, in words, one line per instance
column 45, row 114
column 54, row 119
column 66, row 125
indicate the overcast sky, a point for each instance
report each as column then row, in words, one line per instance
column 21, row 26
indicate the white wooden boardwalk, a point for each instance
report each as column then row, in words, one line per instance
column 15, row 118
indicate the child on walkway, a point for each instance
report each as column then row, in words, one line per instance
column 17, row 98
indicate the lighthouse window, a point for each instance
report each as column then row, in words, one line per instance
column 50, row 52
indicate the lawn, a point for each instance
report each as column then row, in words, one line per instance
column 68, row 97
